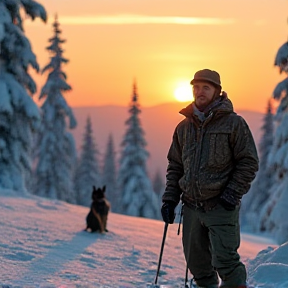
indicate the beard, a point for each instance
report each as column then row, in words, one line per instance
column 202, row 106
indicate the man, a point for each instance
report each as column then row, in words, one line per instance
column 212, row 161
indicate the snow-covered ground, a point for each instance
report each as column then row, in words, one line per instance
column 43, row 245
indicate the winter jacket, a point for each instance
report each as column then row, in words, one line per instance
column 206, row 158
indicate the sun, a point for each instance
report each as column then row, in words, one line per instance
column 183, row 93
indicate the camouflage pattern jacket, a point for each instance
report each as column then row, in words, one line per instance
column 205, row 158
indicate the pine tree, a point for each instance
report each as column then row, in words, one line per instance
column 87, row 172
column 19, row 115
column 57, row 153
column 110, row 175
column 158, row 187
column 137, row 195
column 253, row 202
column 158, row 183
column 274, row 214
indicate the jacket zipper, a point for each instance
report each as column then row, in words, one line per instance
column 198, row 160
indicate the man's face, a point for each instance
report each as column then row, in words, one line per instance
column 203, row 94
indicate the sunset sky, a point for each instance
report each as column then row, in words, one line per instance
column 161, row 44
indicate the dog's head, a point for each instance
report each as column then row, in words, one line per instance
column 98, row 193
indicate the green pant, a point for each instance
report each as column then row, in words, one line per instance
column 210, row 243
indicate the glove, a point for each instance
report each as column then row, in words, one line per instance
column 228, row 200
column 167, row 211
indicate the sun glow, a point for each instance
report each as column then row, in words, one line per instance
column 183, row 93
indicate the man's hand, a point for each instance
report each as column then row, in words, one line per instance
column 167, row 211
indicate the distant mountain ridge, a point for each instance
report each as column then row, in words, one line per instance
column 158, row 123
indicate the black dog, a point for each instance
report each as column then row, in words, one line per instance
column 96, row 219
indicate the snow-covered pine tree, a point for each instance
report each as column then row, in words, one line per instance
column 274, row 215
column 57, row 152
column 137, row 195
column 19, row 115
column 258, row 194
column 87, row 171
column 109, row 175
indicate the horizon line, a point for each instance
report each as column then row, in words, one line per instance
column 159, row 104
column 128, row 19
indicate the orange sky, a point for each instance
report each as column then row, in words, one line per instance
column 162, row 43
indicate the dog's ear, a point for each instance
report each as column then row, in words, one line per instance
column 104, row 188
column 94, row 188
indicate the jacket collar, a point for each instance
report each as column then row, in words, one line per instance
column 220, row 105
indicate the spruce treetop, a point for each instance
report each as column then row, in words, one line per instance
column 56, row 82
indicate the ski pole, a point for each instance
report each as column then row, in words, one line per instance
column 181, row 214
column 186, row 272
column 161, row 252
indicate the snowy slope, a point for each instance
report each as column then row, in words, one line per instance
column 42, row 244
